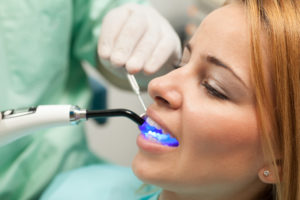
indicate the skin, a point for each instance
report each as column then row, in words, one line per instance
column 220, row 154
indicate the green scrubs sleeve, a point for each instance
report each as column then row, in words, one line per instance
column 42, row 45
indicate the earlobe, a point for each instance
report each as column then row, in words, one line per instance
column 268, row 175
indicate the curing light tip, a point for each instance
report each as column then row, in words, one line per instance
column 154, row 134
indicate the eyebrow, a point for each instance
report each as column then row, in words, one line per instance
column 215, row 61
column 219, row 63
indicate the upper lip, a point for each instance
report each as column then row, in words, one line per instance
column 152, row 114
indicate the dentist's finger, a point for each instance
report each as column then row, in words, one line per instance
column 144, row 49
column 128, row 38
column 111, row 27
column 160, row 56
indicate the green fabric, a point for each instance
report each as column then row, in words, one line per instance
column 41, row 46
column 105, row 182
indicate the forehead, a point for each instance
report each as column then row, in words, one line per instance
column 226, row 22
column 225, row 34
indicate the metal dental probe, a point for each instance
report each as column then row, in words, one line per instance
column 136, row 89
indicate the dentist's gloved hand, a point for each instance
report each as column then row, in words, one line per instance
column 139, row 38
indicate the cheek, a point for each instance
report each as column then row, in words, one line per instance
column 229, row 133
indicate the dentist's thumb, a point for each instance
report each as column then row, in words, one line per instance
column 139, row 38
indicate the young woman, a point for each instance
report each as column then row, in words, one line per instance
column 234, row 108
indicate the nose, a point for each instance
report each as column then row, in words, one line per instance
column 166, row 90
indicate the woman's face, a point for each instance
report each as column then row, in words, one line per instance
column 208, row 105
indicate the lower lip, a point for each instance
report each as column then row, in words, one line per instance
column 152, row 147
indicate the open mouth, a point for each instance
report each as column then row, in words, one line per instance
column 153, row 132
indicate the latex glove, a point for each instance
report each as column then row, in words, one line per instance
column 139, row 38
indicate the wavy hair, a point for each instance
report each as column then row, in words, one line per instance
column 278, row 106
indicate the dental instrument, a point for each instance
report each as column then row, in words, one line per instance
column 136, row 89
column 149, row 129
column 18, row 123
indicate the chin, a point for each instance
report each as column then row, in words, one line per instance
column 147, row 170
column 152, row 171
column 142, row 169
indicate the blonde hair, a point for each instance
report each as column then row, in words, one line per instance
column 278, row 107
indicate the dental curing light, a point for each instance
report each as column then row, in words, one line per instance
column 15, row 124
column 18, row 123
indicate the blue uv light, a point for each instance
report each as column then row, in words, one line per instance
column 152, row 133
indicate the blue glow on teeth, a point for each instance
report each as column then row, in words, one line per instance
column 154, row 134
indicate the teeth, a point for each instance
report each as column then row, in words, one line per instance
column 152, row 123
column 156, row 136
column 153, row 132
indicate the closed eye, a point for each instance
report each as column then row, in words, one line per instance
column 214, row 92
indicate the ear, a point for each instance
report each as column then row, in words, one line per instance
column 267, row 173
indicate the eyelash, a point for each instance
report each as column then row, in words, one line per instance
column 213, row 92
column 176, row 66
column 179, row 64
column 183, row 60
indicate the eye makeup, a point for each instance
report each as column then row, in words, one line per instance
column 215, row 61
column 214, row 90
column 218, row 77
column 224, row 82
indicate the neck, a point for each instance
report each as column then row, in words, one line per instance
column 252, row 192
